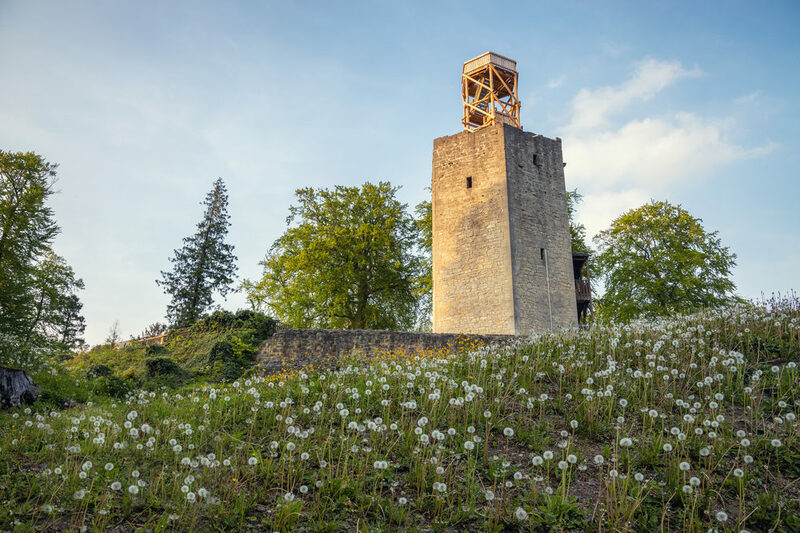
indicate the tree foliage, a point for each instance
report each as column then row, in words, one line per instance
column 658, row 260
column 577, row 231
column 203, row 265
column 39, row 310
column 346, row 261
column 424, row 223
column 55, row 320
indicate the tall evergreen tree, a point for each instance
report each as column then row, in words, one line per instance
column 203, row 265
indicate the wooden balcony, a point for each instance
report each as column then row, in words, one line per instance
column 583, row 292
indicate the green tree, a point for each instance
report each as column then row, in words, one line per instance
column 658, row 260
column 424, row 286
column 72, row 324
column 203, row 265
column 37, row 287
column 55, row 322
column 347, row 262
column 577, row 231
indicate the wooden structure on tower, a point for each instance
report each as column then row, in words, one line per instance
column 489, row 92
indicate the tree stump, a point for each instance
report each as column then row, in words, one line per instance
column 16, row 387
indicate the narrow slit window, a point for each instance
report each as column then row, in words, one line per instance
column 535, row 159
column 469, row 182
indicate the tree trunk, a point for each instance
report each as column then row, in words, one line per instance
column 16, row 387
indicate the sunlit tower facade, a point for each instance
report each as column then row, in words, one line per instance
column 502, row 258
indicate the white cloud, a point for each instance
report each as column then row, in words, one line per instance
column 555, row 83
column 653, row 153
column 748, row 98
column 621, row 165
column 593, row 108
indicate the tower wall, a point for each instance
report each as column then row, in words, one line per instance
column 488, row 273
column 472, row 286
column 538, row 220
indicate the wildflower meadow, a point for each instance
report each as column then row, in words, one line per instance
column 683, row 424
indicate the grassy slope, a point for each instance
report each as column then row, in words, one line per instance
column 571, row 432
column 190, row 351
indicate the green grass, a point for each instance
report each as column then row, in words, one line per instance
column 191, row 349
column 577, row 431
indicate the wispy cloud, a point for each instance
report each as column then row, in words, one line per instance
column 593, row 109
column 748, row 98
column 654, row 152
column 619, row 165
column 555, row 82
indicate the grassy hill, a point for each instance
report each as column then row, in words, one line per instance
column 221, row 346
column 680, row 425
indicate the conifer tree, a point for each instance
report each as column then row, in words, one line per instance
column 203, row 265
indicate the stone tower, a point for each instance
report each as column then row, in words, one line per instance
column 502, row 257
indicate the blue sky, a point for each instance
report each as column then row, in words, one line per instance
column 143, row 104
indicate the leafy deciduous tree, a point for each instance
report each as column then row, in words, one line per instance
column 658, row 260
column 203, row 265
column 153, row 330
column 424, row 223
column 348, row 262
column 37, row 287
column 55, row 320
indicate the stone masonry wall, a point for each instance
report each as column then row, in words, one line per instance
column 324, row 348
column 538, row 213
column 488, row 273
column 472, row 291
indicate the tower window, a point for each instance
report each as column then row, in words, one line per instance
column 469, row 182
column 536, row 159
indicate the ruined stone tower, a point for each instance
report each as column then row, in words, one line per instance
column 502, row 258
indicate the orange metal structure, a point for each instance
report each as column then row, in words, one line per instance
column 489, row 92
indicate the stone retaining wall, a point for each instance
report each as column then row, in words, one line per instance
column 297, row 348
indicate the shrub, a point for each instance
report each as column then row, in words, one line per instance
column 96, row 371
column 229, row 358
column 261, row 324
column 60, row 389
column 113, row 386
column 155, row 350
column 162, row 366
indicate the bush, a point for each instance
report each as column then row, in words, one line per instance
column 155, row 350
column 230, row 358
column 161, row 367
column 113, row 386
column 61, row 389
column 96, row 371
column 262, row 325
